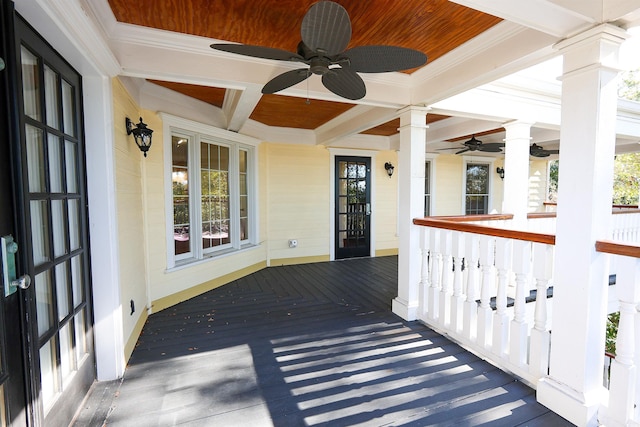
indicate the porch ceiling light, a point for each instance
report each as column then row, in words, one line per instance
column 389, row 168
column 500, row 172
column 141, row 134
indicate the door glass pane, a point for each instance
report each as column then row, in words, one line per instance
column 35, row 159
column 70, row 151
column 73, row 206
column 68, row 110
column 48, row 373
column 3, row 408
column 76, row 280
column 44, row 301
column 30, row 84
column 57, row 220
column 62, row 290
column 51, row 97
column 81, row 337
column 55, row 164
column 67, row 356
column 39, row 231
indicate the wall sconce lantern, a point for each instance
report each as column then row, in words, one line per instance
column 141, row 134
column 389, row 168
column 500, row 172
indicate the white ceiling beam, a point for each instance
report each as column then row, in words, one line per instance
column 238, row 106
column 353, row 121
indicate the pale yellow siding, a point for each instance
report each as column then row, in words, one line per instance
column 298, row 201
column 129, row 199
column 385, row 195
column 447, row 185
column 537, row 185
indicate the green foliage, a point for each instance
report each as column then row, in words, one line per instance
column 554, row 167
column 612, row 331
column 629, row 86
column 626, row 174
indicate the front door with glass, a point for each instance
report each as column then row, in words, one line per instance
column 353, row 207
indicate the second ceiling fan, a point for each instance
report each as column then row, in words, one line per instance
column 476, row 145
column 325, row 34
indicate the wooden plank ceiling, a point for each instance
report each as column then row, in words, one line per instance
column 434, row 27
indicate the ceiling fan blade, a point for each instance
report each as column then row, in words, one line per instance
column 345, row 83
column 540, row 154
column 553, row 151
column 464, row 150
column 258, row 51
column 326, row 27
column 491, row 145
column 286, row 80
column 489, row 149
column 450, row 148
column 382, row 59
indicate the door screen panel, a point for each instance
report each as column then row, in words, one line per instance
column 353, row 207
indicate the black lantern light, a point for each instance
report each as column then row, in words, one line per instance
column 141, row 134
column 389, row 168
column 500, row 172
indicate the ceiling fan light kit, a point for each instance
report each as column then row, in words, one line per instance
column 325, row 34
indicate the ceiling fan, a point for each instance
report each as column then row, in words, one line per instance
column 537, row 151
column 476, row 145
column 325, row 33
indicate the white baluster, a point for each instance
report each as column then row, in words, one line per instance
column 519, row 328
column 444, row 310
column 424, row 272
column 504, row 255
column 540, row 335
column 470, row 316
column 622, row 386
column 457, row 299
column 487, row 290
column 434, row 289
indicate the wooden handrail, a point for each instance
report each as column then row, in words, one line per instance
column 616, row 248
column 446, row 224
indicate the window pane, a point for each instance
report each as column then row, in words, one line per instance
column 35, row 158
column 214, row 190
column 59, row 232
column 180, row 185
column 48, row 373
column 62, row 290
column 70, row 149
column 39, row 231
column 81, row 337
column 68, row 109
column 30, row 84
column 427, row 188
column 67, row 356
column 55, row 164
column 73, row 207
column 77, row 281
column 44, row 301
column 51, row 97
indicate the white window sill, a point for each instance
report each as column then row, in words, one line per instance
column 192, row 262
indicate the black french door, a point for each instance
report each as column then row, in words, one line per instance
column 353, row 207
column 49, row 362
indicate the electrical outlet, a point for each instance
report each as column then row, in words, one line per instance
column 293, row 243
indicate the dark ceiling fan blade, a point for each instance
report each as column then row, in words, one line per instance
column 382, row 59
column 464, row 150
column 326, row 27
column 286, row 80
column 345, row 83
column 540, row 153
column 258, row 51
column 491, row 145
column 450, row 148
column 486, row 149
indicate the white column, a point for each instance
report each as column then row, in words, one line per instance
column 516, row 171
column 587, row 142
column 413, row 126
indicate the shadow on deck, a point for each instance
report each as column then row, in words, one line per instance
column 306, row 345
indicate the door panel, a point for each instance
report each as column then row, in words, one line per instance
column 51, row 230
column 13, row 401
column 353, row 207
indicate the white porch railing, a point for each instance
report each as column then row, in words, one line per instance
column 486, row 288
column 476, row 282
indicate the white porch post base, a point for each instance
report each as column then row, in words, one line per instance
column 581, row 409
column 404, row 309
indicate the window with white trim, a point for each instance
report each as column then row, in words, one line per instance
column 477, row 188
column 212, row 195
column 427, row 188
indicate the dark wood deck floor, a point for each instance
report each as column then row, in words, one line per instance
column 306, row 345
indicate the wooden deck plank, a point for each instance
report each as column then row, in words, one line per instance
column 309, row 345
